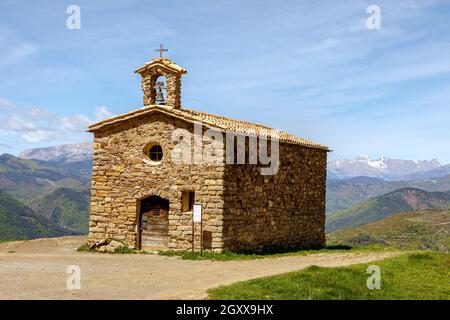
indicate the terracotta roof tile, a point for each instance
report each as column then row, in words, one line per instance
column 217, row 121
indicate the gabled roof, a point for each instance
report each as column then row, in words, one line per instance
column 164, row 63
column 220, row 122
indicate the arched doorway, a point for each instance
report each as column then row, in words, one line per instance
column 154, row 223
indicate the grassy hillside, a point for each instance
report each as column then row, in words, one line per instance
column 27, row 179
column 344, row 194
column 68, row 208
column 414, row 276
column 411, row 230
column 18, row 222
column 406, row 199
column 82, row 170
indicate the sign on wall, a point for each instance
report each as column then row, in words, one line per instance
column 197, row 213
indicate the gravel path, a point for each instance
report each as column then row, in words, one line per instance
column 37, row 270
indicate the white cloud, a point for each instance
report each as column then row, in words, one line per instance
column 38, row 136
column 14, row 123
column 325, row 44
column 102, row 113
column 18, row 53
column 77, row 123
column 33, row 124
column 6, row 104
column 14, row 50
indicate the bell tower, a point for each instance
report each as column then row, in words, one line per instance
column 153, row 88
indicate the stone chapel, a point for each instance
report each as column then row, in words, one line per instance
column 143, row 195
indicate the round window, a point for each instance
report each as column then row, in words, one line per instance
column 155, row 153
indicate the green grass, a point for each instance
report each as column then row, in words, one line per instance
column 415, row 276
column 386, row 205
column 85, row 248
column 19, row 222
column 225, row 256
column 208, row 255
column 64, row 206
column 429, row 229
column 126, row 250
column 272, row 253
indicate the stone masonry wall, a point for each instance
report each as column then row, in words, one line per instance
column 123, row 175
column 286, row 209
column 242, row 209
column 173, row 87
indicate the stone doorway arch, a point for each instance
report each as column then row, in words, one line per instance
column 153, row 223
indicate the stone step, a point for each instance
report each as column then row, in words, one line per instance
column 153, row 243
column 154, row 248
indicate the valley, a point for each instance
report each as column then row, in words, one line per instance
column 53, row 185
column 18, row 222
column 414, row 230
column 402, row 200
column 55, row 192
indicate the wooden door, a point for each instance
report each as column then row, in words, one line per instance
column 154, row 225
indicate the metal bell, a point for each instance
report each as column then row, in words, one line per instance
column 160, row 97
column 159, row 94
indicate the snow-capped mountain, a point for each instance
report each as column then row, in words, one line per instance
column 385, row 168
column 61, row 153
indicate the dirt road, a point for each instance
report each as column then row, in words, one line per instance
column 37, row 270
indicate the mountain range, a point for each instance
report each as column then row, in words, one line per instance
column 57, row 191
column 26, row 179
column 382, row 167
column 345, row 193
column 73, row 155
column 66, row 207
column 53, row 184
column 429, row 230
column 386, row 168
column 64, row 153
column 18, row 222
column 402, row 200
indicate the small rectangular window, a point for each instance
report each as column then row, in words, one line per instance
column 187, row 201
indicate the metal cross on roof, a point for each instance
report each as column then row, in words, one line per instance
column 161, row 50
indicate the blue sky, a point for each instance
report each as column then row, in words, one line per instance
column 311, row 68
